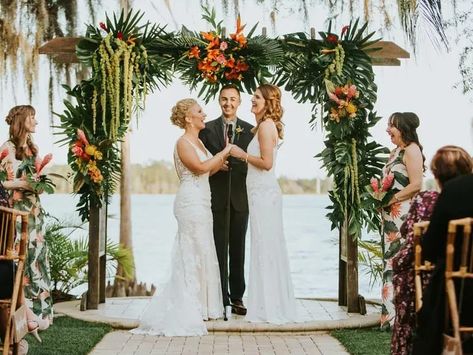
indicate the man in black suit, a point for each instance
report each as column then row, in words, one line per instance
column 214, row 137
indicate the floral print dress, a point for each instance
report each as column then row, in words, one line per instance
column 403, row 274
column 37, row 278
column 393, row 216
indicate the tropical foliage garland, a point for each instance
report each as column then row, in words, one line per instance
column 335, row 74
column 127, row 60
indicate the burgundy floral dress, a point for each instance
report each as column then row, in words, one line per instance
column 403, row 274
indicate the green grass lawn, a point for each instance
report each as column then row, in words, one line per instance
column 68, row 336
column 370, row 341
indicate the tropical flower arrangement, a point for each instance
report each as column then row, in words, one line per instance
column 87, row 156
column 123, row 71
column 342, row 101
column 221, row 59
column 31, row 168
column 380, row 191
column 214, row 60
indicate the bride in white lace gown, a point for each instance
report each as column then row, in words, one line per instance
column 193, row 293
column 270, row 291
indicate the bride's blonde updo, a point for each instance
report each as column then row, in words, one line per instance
column 272, row 106
column 16, row 119
column 180, row 110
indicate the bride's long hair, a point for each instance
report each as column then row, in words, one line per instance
column 272, row 107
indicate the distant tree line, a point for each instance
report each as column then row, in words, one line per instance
column 159, row 177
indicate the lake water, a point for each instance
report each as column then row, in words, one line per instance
column 312, row 246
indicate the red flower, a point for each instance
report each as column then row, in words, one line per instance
column 3, row 154
column 331, row 38
column 103, row 26
column 344, row 30
column 120, row 36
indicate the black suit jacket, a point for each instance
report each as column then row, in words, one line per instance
column 214, row 141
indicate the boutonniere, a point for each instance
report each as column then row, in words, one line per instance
column 239, row 130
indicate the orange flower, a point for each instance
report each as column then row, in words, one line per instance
column 241, row 66
column 395, row 210
column 238, row 36
column 214, row 43
column 213, row 54
column 392, row 236
column 194, row 52
column 209, row 36
column 386, row 292
column 230, row 63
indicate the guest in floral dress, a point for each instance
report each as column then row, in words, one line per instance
column 406, row 164
column 37, row 281
column 447, row 163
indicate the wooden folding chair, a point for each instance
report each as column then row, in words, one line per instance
column 421, row 266
column 461, row 270
column 13, row 250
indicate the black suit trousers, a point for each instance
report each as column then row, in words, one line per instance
column 236, row 249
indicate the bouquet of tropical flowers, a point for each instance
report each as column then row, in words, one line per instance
column 342, row 101
column 381, row 191
column 32, row 167
column 6, row 173
column 87, row 156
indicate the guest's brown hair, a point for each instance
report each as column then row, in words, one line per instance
column 272, row 106
column 449, row 162
column 16, row 119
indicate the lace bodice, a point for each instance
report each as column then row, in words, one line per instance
column 182, row 171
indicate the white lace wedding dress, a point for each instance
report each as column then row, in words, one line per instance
column 193, row 293
column 270, row 290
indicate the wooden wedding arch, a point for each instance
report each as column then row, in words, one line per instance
column 63, row 50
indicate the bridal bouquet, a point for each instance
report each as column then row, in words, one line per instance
column 381, row 191
column 31, row 167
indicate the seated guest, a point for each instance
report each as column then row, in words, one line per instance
column 449, row 162
column 454, row 202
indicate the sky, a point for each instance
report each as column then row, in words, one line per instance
column 424, row 84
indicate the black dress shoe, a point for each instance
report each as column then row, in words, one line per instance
column 238, row 307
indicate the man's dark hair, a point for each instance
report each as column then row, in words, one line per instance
column 229, row 86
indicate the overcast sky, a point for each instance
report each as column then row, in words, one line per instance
column 423, row 85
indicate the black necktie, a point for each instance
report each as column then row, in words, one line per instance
column 230, row 132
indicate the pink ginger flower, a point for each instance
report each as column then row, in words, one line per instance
column 3, row 154
column 40, row 164
column 387, row 182
column 374, row 184
column 82, row 137
column 334, row 97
